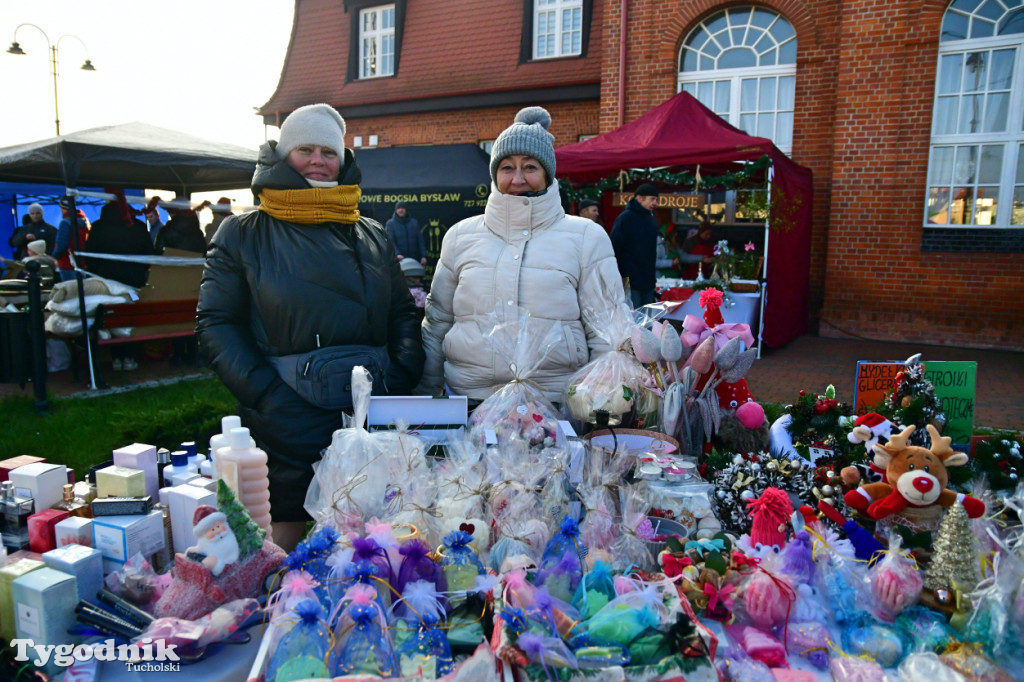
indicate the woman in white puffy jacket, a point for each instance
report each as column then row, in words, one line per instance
column 523, row 252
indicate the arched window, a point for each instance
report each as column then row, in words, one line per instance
column 976, row 165
column 741, row 64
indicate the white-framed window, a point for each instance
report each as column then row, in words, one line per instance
column 741, row 64
column 486, row 145
column 557, row 28
column 377, row 41
column 975, row 165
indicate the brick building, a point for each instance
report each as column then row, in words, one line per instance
column 909, row 112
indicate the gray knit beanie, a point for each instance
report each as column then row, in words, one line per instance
column 527, row 135
column 35, row 208
column 318, row 124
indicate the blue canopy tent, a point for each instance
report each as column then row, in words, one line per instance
column 16, row 197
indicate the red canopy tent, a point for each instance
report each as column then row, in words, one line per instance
column 683, row 132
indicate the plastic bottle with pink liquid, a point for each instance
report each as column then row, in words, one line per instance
column 243, row 467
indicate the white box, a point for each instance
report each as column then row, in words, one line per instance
column 45, row 608
column 85, row 563
column 143, row 457
column 44, row 483
column 120, row 538
column 182, row 501
column 205, row 483
column 74, row 530
column 431, row 418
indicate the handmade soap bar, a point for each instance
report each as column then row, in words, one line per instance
column 45, row 608
column 42, row 532
column 74, row 530
column 143, row 457
column 119, row 481
column 8, row 573
column 14, row 462
column 120, row 538
column 85, row 563
column 44, row 483
column 182, row 501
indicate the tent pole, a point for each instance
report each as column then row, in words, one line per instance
column 764, row 271
column 73, row 219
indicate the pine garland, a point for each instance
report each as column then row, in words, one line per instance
column 998, row 459
column 822, row 421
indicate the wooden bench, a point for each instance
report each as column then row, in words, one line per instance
column 154, row 319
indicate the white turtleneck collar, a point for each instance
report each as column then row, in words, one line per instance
column 514, row 218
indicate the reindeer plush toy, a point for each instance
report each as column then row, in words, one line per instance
column 914, row 477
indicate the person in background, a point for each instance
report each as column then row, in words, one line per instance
column 697, row 252
column 64, row 248
column 153, row 221
column 414, row 274
column 33, row 227
column 117, row 232
column 635, row 240
column 36, row 251
column 303, row 273
column 218, row 217
column 525, row 252
column 405, row 234
column 590, row 210
column 666, row 261
column 182, row 231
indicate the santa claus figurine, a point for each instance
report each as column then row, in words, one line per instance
column 216, row 545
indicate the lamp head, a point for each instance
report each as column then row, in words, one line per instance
column 15, row 48
column 87, row 66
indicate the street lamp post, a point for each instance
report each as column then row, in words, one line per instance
column 15, row 48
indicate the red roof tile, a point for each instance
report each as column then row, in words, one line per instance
column 454, row 47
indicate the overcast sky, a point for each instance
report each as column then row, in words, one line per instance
column 197, row 66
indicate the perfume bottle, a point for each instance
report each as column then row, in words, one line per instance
column 73, row 505
column 14, row 519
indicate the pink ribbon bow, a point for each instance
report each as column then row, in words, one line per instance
column 695, row 330
column 715, row 594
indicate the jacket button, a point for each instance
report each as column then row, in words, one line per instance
column 515, row 256
column 526, row 232
column 511, row 303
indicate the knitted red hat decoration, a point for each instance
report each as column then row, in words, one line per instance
column 770, row 513
column 711, row 301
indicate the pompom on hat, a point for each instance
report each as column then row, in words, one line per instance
column 318, row 124
column 204, row 517
column 528, row 135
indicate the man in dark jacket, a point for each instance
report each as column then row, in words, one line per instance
column 115, row 233
column 32, row 229
column 635, row 240
column 302, row 273
column 405, row 234
column 181, row 232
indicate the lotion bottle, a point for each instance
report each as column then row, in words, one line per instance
column 244, row 468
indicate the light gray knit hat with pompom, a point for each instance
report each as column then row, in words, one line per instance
column 318, row 124
column 527, row 135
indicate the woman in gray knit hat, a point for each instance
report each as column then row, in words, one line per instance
column 523, row 252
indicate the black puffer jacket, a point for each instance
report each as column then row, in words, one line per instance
column 274, row 288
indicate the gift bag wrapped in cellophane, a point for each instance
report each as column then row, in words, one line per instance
column 302, row 642
column 362, row 642
column 462, row 488
column 611, row 381
column 519, row 409
column 678, row 647
column 421, row 643
column 631, row 549
column 347, row 486
column 600, row 493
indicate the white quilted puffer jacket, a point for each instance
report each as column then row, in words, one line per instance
column 522, row 252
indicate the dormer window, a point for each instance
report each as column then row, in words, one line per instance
column 557, row 28
column 377, row 41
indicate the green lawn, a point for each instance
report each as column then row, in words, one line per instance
column 81, row 432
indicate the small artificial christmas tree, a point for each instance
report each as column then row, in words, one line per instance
column 250, row 536
column 913, row 401
column 822, row 421
column 955, row 558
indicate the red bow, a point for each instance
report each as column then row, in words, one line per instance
column 673, row 566
column 715, row 594
column 742, row 560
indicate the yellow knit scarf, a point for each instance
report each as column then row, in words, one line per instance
column 311, row 206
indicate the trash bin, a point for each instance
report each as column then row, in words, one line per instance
column 15, row 348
